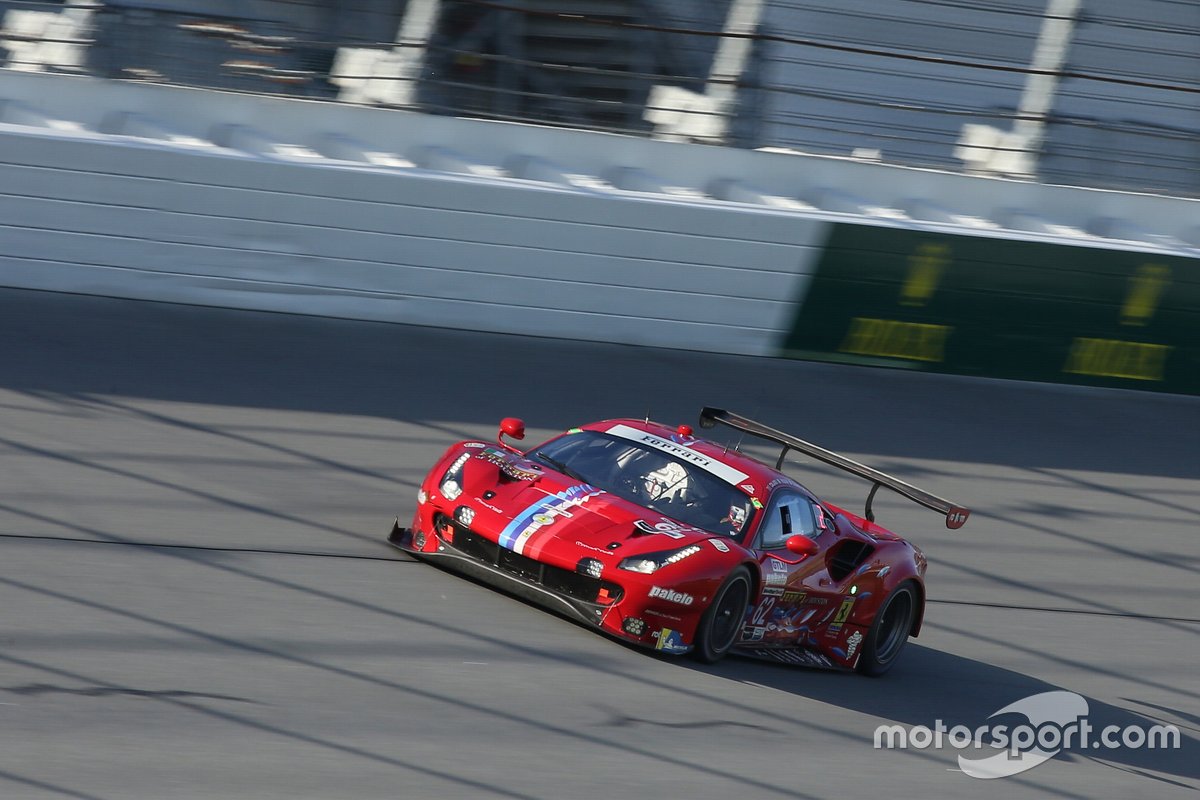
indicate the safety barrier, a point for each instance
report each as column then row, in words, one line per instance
column 83, row 215
column 194, row 197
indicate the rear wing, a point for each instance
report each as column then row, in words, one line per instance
column 956, row 515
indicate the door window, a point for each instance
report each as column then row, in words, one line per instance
column 790, row 513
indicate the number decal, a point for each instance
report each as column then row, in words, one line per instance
column 760, row 613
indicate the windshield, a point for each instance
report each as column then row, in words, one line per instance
column 652, row 479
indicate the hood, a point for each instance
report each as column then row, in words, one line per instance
column 556, row 519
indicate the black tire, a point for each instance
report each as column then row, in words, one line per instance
column 722, row 620
column 889, row 631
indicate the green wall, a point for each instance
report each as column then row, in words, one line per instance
column 977, row 305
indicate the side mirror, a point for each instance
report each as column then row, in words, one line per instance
column 802, row 545
column 512, row 427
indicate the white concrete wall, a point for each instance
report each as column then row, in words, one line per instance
column 82, row 214
column 243, row 201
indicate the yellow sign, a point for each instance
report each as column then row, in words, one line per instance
column 894, row 339
column 1146, row 288
column 1111, row 358
column 925, row 268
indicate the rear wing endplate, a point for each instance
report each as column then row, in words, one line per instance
column 956, row 515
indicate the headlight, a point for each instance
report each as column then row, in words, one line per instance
column 449, row 484
column 652, row 562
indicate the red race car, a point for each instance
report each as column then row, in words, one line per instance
column 679, row 544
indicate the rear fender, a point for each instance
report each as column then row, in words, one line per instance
column 870, row 589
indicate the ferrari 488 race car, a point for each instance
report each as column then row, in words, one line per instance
column 679, row 544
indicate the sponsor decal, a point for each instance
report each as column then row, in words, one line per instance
column 794, row 597
column 474, row 444
column 719, row 544
column 667, row 527
column 754, row 501
column 748, row 488
column 778, row 566
column 575, row 430
column 505, row 462
column 590, row 547
column 524, row 525
column 780, row 482
column 752, row 633
column 772, row 591
column 671, row 595
column 488, row 505
column 680, row 451
column 670, row 641
column 655, row 613
column 852, row 644
column 775, row 578
column 839, row 619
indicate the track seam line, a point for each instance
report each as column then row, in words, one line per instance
column 213, row 549
column 349, row 556
column 1083, row 611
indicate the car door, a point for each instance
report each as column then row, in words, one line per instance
column 796, row 591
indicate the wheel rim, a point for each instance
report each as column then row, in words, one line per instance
column 896, row 619
column 727, row 616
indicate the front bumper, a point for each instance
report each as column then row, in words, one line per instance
column 550, row 587
column 506, row 576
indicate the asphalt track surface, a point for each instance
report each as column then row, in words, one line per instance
column 197, row 600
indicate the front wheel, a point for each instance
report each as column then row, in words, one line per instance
column 889, row 632
column 722, row 621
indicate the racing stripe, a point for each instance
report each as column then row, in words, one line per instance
column 517, row 533
column 538, row 539
column 519, row 522
column 573, row 499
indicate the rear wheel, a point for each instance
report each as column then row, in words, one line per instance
column 889, row 632
column 722, row 621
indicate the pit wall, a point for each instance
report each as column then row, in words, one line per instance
column 239, row 201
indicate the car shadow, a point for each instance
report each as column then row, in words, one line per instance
column 928, row 685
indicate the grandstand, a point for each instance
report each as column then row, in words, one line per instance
column 1097, row 93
